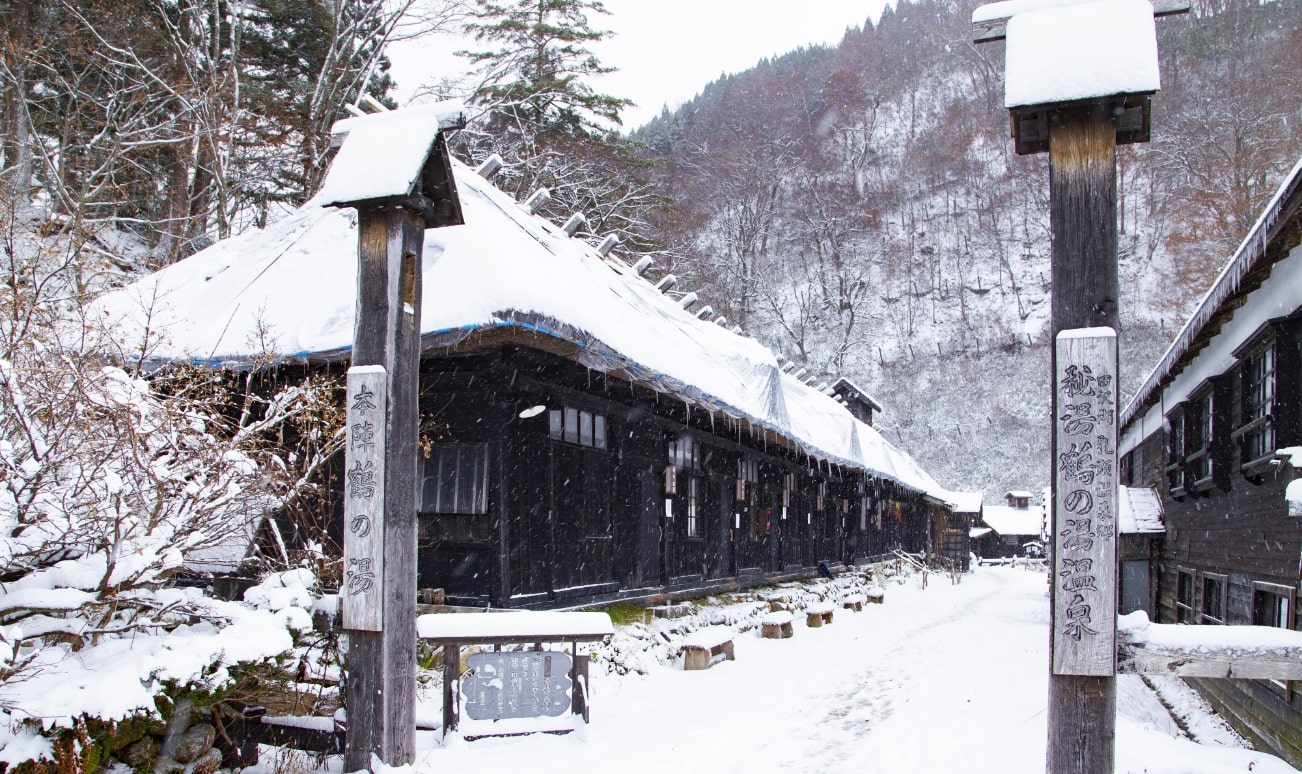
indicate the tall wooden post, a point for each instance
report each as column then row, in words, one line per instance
column 395, row 170
column 1079, row 76
column 382, row 664
column 1083, row 219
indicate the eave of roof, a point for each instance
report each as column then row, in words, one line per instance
column 1236, row 279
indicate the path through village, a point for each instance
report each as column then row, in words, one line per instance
column 950, row 678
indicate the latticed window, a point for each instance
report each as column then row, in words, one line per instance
column 693, row 507
column 684, row 453
column 572, row 425
column 454, row 479
column 1215, row 591
column 1184, row 596
column 1198, row 427
column 1257, row 431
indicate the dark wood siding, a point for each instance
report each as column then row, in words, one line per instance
column 570, row 519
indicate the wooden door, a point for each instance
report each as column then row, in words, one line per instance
column 581, row 536
column 685, row 520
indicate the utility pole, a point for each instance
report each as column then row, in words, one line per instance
column 1079, row 78
column 394, row 168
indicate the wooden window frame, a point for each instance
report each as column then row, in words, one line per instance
column 1285, row 688
column 1259, row 389
column 579, row 427
column 1222, row 598
column 1175, row 463
column 1200, row 440
column 1186, row 611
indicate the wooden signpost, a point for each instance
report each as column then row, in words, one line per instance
column 394, row 168
column 1085, row 498
column 1079, row 80
column 363, row 586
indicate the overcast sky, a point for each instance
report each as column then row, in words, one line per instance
column 667, row 50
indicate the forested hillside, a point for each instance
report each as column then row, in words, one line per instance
column 861, row 209
column 857, row 207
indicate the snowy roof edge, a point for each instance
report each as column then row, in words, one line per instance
column 1227, row 284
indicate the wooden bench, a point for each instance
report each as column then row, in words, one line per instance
column 706, row 647
column 818, row 614
column 777, row 625
column 853, row 602
column 454, row 630
column 876, row 595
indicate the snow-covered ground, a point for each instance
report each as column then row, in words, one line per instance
column 951, row 678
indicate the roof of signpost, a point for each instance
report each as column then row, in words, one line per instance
column 383, row 154
column 1076, row 51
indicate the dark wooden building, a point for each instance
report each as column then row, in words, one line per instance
column 1204, row 430
column 1010, row 530
column 585, row 434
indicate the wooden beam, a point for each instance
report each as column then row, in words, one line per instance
column 994, row 28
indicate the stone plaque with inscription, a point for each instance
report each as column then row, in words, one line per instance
column 363, row 581
column 528, row 684
column 1085, row 502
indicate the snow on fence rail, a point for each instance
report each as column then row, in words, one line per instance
column 1241, row 652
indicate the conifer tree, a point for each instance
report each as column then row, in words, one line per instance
column 533, row 74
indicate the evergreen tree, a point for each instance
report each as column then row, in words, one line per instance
column 537, row 109
column 533, row 78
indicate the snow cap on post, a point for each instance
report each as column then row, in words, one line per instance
column 1090, row 50
column 1064, row 53
column 398, row 158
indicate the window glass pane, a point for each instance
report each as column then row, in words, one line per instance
column 585, row 428
column 480, row 501
column 467, row 478
column 599, row 431
column 429, row 482
column 693, row 525
column 447, row 498
column 572, row 425
column 554, row 422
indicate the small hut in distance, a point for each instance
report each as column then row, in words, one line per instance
column 1014, row 529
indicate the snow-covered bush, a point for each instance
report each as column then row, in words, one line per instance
column 112, row 482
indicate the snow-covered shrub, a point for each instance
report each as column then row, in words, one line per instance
column 114, row 481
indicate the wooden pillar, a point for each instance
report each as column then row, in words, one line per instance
column 381, row 665
column 1083, row 218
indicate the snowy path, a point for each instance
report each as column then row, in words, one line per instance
column 946, row 679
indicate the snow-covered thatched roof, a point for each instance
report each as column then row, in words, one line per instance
column 504, row 269
column 1211, row 334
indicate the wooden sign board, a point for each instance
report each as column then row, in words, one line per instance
column 529, row 684
column 1085, row 503
column 362, row 591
